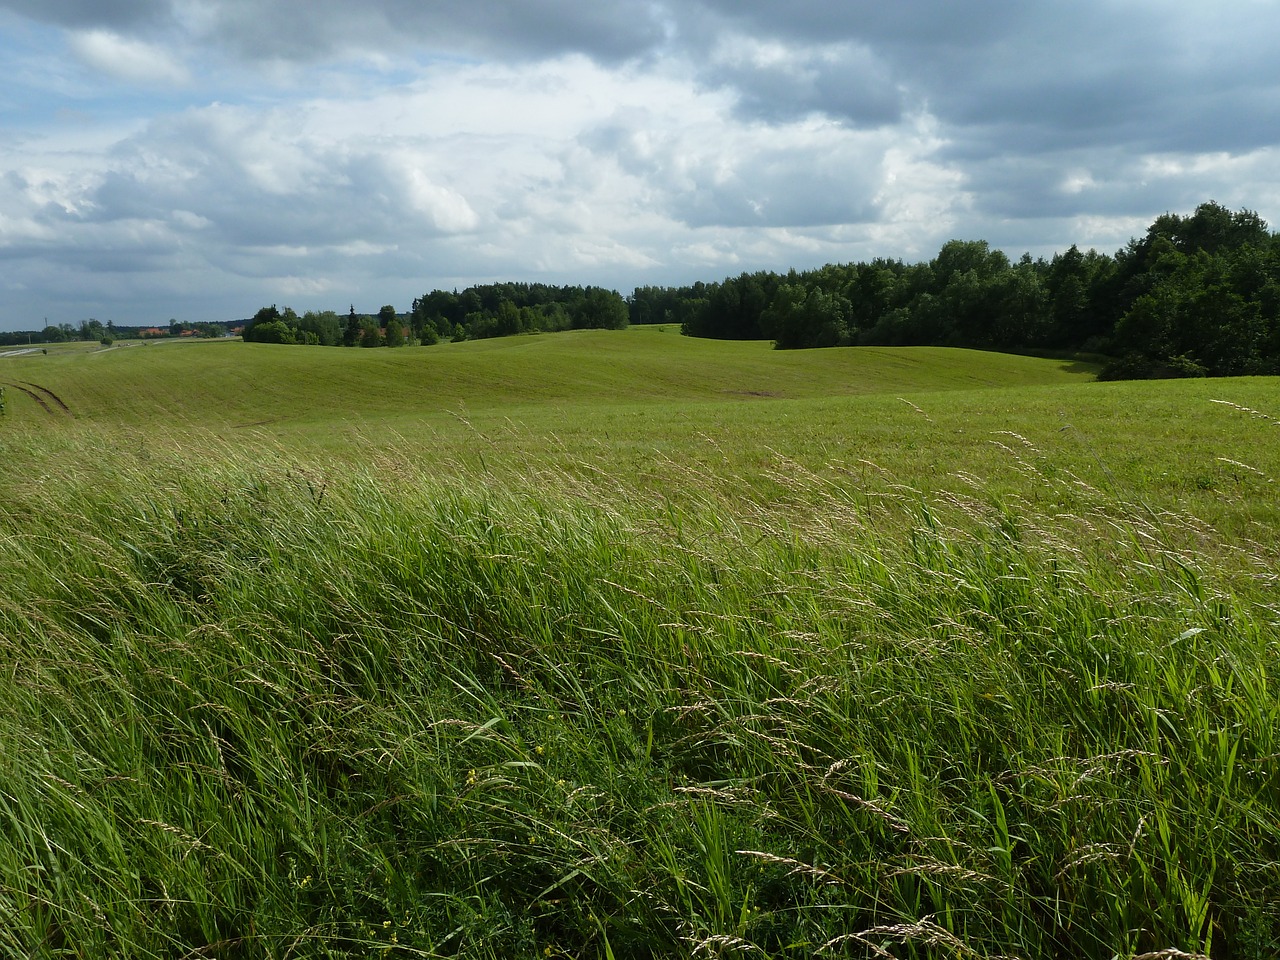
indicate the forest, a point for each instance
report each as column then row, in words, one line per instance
column 1195, row 296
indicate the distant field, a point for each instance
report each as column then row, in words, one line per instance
column 647, row 405
column 230, row 382
column 621, row 644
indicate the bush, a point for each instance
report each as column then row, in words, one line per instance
column 272, row 331
column 1136, row 366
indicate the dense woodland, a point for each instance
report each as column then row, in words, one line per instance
column 1197, row 295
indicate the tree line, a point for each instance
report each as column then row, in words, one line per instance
column 94, row 330
column 1196, row 295
column 478, row 312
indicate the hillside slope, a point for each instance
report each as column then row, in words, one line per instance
column 236, row 383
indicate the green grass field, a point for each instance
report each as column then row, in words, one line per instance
column 619, row 644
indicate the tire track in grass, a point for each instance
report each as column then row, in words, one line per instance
column 50, row 394
column 32, row 394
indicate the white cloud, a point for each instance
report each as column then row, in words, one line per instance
column 127, row 59
column 303, row 286
column 447, row 210
column 190, row 221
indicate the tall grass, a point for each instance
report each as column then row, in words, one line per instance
column 250, row 711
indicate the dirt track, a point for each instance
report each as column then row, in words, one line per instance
column 48, row 393
column 41, row 395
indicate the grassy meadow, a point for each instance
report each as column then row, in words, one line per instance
column 622, row 644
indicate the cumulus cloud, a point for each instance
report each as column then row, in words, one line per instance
column 778, row 82
column 266, row 147
column 127, row 59
column 259, row 179
column 801, row 175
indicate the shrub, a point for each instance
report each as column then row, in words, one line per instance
column 1136, row 366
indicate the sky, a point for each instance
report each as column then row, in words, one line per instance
column 199, row 159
